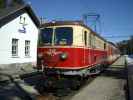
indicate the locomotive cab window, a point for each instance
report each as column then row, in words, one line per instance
column 46, row 36
column 63, row 36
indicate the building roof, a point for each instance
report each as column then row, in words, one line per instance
column 80, row 23
column 10, row 13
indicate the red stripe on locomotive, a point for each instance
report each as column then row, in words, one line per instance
column 76, row 57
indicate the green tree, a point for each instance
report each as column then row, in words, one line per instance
column 126, row 46
column 19, row 1
column 2, row 2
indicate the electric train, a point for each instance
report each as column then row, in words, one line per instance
column 71, row 48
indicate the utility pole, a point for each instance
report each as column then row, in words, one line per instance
column 93, row 19
column 130, row 44
column 42, row 20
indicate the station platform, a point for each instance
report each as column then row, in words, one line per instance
column 107, row 86
column 130, row 77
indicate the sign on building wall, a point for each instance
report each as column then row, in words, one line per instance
column 23, row 24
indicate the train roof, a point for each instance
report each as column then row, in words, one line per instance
column 80, row 23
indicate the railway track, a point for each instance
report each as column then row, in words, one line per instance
column 69, row 94
column 113, row 79
column 63, row 93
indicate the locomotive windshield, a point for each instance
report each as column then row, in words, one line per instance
column 63, row 36
column 57, row 36
column 46, row 36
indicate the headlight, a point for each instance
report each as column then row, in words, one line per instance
column 63, row 56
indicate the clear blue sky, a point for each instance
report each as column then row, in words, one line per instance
column 116, row 15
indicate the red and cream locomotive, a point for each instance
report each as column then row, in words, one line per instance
column 72, row 48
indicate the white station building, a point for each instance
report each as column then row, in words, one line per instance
column 19, row 29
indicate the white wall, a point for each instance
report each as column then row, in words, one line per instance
column 9, row 31
column 78, row 35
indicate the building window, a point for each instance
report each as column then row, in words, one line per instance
column 14, row 47
column 27, row 48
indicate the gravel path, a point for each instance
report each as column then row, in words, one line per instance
column 108, row 86
column 102, row 88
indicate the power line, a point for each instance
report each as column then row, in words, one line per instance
column 94, row 18
column 120, row 36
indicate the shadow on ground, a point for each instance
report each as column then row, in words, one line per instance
column 116, row 72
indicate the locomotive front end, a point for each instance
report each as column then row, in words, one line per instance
column 54, row 48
